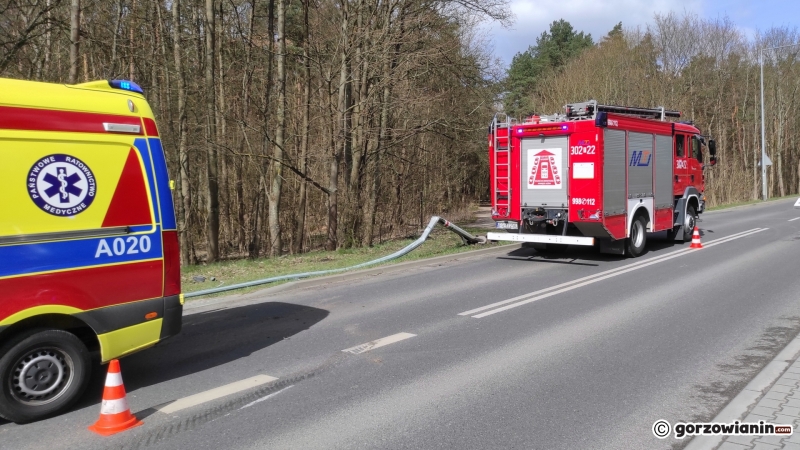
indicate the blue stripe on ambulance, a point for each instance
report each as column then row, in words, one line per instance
column 162, row 181
column 141, row 145
column 26, row 259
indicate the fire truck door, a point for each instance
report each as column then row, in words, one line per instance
column 681, row 165
column 695, row 159
column 544, row 171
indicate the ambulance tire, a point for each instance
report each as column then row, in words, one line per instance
column 638, row 240
column 58, row 359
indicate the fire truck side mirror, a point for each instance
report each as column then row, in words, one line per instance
column 712, row 148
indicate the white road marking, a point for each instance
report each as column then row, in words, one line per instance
column 378, row 343
column 265, row 398
column 213, row 394
column 597, row 275
column 796, row 218
column 549, row 292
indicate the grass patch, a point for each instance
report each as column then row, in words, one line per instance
column 751, row 202
column 225, row 273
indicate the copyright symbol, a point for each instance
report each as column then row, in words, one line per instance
column 661, row 429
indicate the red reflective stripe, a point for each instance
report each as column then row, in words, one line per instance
column 52, row 120
column 83, row 288
column 150, row 127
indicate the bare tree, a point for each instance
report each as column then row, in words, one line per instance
column 212, row 169
column 74, row 35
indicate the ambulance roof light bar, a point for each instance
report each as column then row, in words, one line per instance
column 125, row 85
column 587, row 110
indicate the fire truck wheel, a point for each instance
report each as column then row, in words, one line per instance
column 42, row 372
column 638, row 238
column 689, row 223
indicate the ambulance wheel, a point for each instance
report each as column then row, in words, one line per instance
column 638, row 239
column 42, row 372
column 689, row 223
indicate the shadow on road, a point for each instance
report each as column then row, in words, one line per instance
column 209, row 339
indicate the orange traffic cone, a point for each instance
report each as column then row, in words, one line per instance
column 115, row 414
column 696, row 239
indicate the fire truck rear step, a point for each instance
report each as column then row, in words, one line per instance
column 541, row 238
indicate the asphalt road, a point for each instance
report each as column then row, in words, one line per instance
column 614, row 345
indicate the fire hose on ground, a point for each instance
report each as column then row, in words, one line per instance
column 465, row 236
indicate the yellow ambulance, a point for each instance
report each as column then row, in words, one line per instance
column 89, row 258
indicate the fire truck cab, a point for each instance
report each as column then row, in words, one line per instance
column 597, row 175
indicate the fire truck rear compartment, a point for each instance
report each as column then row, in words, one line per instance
column 548, row 155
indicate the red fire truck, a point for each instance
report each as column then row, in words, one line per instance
column 596, row 175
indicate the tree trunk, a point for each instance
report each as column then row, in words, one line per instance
column 277, row 148
column 212, row 205
column 74, row 33
column 263, row 177
column 300, row 215
column 131, row 27
column 340, row 128
column 246, row 82
column 185, row 207
column 222, row 128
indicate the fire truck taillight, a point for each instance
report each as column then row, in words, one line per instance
column 589, row 215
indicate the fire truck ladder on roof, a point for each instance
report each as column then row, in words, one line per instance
column 588, row 110
column 502, row 162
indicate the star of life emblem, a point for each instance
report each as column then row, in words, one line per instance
column 61, row 185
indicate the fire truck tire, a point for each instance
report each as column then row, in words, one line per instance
column 689, row 223
column 42, row 372
column 638, row 239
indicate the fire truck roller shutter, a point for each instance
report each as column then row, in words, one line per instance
column 613, row 172
column 544, row 171
column 664, row 197
column 640, row 165
column 640, row 177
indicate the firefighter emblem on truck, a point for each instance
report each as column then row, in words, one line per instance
column 543, row 169
column 61, row 185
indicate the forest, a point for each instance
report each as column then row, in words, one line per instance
column 294, row 125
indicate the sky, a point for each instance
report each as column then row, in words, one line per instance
column 598, row 17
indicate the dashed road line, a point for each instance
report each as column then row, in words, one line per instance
column 796, row 218
column 265, row 398
column 213, row 394
column 574, row 284
column 371, row 345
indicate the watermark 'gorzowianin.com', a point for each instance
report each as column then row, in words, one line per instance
column 662, row 429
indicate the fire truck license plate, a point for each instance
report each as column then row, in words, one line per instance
column 506, row 225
